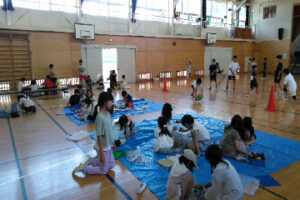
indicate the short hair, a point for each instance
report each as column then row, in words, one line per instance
column 33, row 82
column 234, row 57
column 124, row 93
column 123, row 120
column 51, row 66
column 217, row 63
column 113, row 71
column 286, row 71
column 254, row 66
column 79, row 86
column 199, row 81
column 20, row 96
column 265, row 58
column 47, row 77
column 279, row 56
column 213, row 60
column 187, row 119
column 104, row 97
column 109, row 90
column 76, row 91
column 253, row 59
column 22, row 79
column 123, row 76
column 80, row 61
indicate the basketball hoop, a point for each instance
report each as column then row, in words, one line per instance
column 85, row 39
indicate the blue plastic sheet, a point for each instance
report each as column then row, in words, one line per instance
column 279, row 152
column 138, row 104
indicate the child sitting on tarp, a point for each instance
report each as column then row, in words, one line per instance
column 123, row 129
column 89, row 104
column 226, row 183
column 26, row 104
column 127, row 99
column 89, row 82
column 74, row 99
column 181, row 181
column 198, row 139
column 164, row 142
column 231, row 141
column 100, row 82
column 249, row 133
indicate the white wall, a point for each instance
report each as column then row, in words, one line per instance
column 29, row 19
column 267, row 29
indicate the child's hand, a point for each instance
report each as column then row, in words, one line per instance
column 102, row 158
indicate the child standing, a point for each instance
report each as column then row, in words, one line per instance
column 199, row 139
column 195, row 85
column 232, row 73
column 26, row 104
column 123, row 83
column 104, row 160
column 188, row 68
column 164, row 142
column 181, row 181
column 127, row 99
column 20, row 85
column 82, row 71
column 253, row 79
column 212, row 73
column 289, row 84
column 278, row 73
column 264, row 71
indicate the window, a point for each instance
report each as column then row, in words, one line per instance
column 269, row 12
column 165, row 74
column 152, row 10
column 217, row 13
column 198, row 72
column 242, row 17
column 144, row 76
column 189, row 11
column 48, row 5
column 4, row 86
column 180, row 73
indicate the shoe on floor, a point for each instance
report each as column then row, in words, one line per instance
column 141, row 188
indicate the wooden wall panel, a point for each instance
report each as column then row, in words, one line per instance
column 153, row 54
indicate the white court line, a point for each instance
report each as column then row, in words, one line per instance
column 46, row 168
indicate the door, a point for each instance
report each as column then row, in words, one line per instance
column 93, row 62
column 126, row 64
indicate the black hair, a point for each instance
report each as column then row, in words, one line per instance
column 162, row 123
column 51, row 66
column 22, row 79
column 238, row 124
column 286, row 71
column 113, row 71
column 109, row 90
column 123, row 76
column 88, row 76
column 124, row 93
column 265, row 58
column 188, row 163
column 213, row 60
column 234, row 57
column 187, row 119
column 104, row 97
column 47, row 77
column 247, row 121
column 279, row 56
column 253, row 59
column 214, row 156
column 88, row 100
column 79, row 86
column 199, row 81
column 21, row 96
column 167, row 111
column 217, row 63
column 33, row 82
column 254, row 66
column 80, row 61
column 76, row 91
column 54, row 80
column 123, row 120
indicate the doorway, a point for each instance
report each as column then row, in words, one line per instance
column 109, row 62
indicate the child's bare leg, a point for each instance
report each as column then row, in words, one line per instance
column 233, row 84
column 227, row 83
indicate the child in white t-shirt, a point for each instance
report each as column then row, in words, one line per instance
column 20, row 85
column 195, row 85
column 232, row 73
column 289, row 84
column 26, row 104
column 164, row 142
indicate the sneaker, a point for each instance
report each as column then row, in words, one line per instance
column 241, row 158
column 78, row 168
column 141, row 188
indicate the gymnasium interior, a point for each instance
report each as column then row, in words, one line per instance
column 162, row 47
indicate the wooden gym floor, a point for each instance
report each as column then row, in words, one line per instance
column 36, row 162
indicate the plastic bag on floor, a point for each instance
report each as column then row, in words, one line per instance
column 250, row 184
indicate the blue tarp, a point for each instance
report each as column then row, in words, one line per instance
column 138, row 104
column 279, row 152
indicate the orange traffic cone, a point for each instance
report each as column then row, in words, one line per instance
column 165, row 89
column 271, row 103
